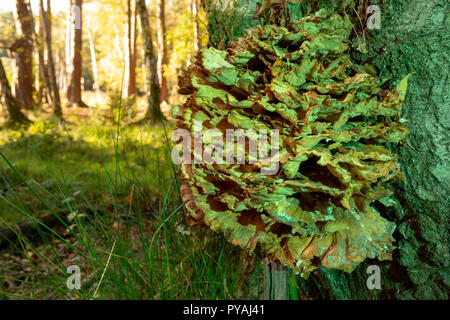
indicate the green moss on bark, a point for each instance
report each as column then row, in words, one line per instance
column 414, row 37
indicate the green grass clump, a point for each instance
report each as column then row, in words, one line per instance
column 79, row 159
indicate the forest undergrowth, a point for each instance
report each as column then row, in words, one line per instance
column 100, row 193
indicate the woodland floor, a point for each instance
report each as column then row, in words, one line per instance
column 108, row 196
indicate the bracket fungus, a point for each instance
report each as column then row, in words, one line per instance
column 332, row 118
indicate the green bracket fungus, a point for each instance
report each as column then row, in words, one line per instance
column 333, row 117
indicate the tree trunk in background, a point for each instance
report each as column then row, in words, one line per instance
column 49, row 20
column 49, row 15
column 412, row 38
column 40, row 44
column 12, row 105
column 93, row 59
column 75, row 66
column 162, row 55
column 197, row 40
column 153, row 111
column 127, row 49
column 46, row 17
column 41, row 90
column 68, row 41
column 131, row 49
column 23, row 53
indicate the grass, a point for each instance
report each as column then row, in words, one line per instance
column 114, row 189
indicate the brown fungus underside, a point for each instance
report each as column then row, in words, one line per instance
column 333, row 118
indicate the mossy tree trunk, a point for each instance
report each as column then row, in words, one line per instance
column 12, row 106
column 23, row 53
column 412, row 39
column 153, row 112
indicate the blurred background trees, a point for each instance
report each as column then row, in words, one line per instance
column 59, row 54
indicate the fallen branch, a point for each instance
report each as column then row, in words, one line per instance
column 28, row 228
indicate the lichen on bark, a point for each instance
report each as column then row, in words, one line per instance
column 414, row 37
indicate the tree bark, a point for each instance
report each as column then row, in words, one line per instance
column 15, row 115
column 93, row 59
column 153, row 111
column 412, row 38
column 133, row 88
column 50, row 63
column 30, row 229
column 162, row 55
column 42, row 65
column 131, row 49
column 68, row 45
column 41, row 89
column 197, row 40
column 75, row 61
column 24, row 88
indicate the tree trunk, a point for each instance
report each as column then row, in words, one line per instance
column 197, row 40
column 162, row 55
column 75, row 61
column 153, row 111
column 50, row 63
column 411, row 39
column 42, row 91
column 24, row 88
column 42, row 65
column 130, row 46
column 68, row 45
column 15, row 115
column 93, row 59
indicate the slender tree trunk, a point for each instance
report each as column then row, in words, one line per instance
column 93, row 59
column 15, row 115
column 40, row 85
column 24, row 88
column 134, row 59
column 75, row 69
column 412, row 38
column 197, row 40
column 127, row 49
column 131, row 49
column 68, row 53
column 51, row 65
column 49, row 17
column 43, row 71
column 162, row 54
column 153, row 111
